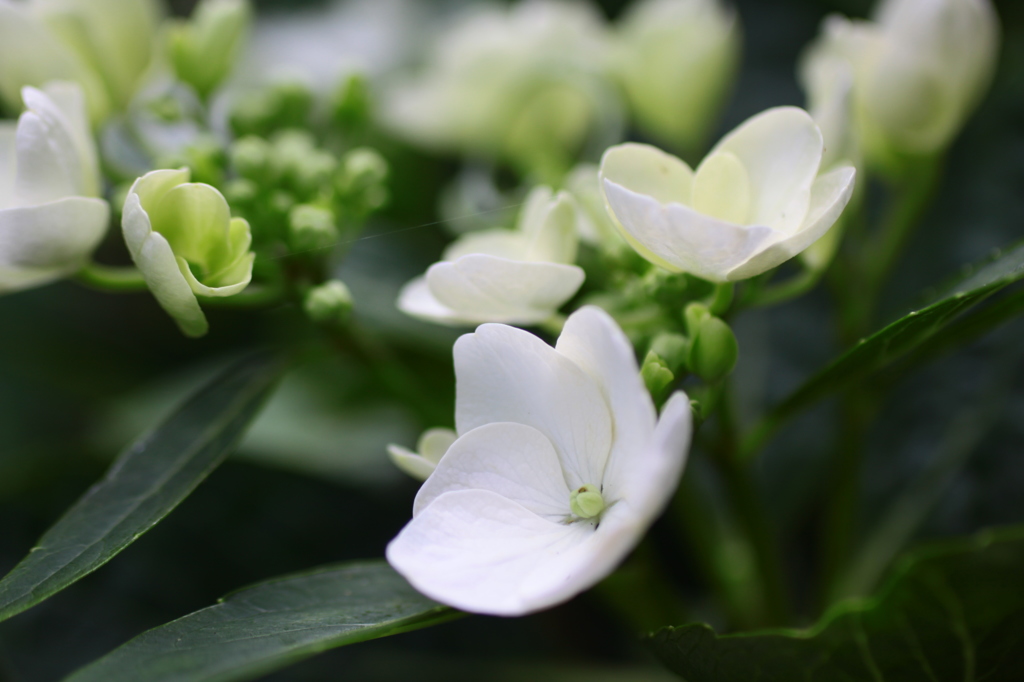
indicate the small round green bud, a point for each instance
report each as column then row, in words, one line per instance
column 361, row 181
column 250, row 157
column 311, row 227
column 713, row 350
column 586, row 501
column 694, row 314
column 329, row 303
column 656, row 374
column 672, row 348
column 351, row 106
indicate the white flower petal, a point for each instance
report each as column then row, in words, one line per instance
column 411, row 463
column 555, row 239
column 156, row 261
column 680, row 238
column 829, row 196
column 48, row 165
column 781, row 150
column 647, row 477
column 648, row 170
column 498, row 242
column 513, row 460
column 50, row 240
column 476, row 550
column 509, row 375
column 593, row 341
column 415, row 299
column 434, row 443
column 484, row 288
column 8, row 154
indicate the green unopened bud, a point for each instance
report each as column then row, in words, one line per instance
column 351, row 108
column 203, row 49
column 713, row 350
column 311, row 227
column 300, row 164
column 656, row 374
column 671, row 348
column 361, row 180
column 693, row 316
column 586, row 501
column 283, row 105
column 250, row 157
column 329, row 303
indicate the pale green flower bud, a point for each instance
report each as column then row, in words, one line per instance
column 586, row 501
column 311, row 227
column 361, row 182
column 203, row 49
column 713, row 349
column 285, row 104
column 184, row 241
column 329, row 303
column 693, row 316
column 656, row 374
column 431, row 447
column 676, row 60
column 296, row 159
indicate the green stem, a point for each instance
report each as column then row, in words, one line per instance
column 752, row 516
column 251, row 297
column 111, row 278
column 723, row 556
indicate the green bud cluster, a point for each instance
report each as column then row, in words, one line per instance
column 286, row 104
column 361, row 182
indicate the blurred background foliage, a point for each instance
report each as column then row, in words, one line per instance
column 82, row 373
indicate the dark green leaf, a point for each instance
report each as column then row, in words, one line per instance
column 902, row 336
column 270, row 625
column 952, row 612
column 149, row 479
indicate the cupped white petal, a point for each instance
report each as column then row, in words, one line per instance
column 829, row 196
column 647, row 170
column 505, row 374
column 555, row 239
column 593, row 341
column 780, row 148
column 483, row 288
column 156, row 261
column 680, row 238
column 50, row 240
column 497, row 242
column 478, row 551
column 515, row 461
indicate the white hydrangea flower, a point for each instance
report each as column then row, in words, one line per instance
column 519, row 276
column 525, row 83
column 429, row 450
column 103, row 45
column 919, row 69
column 560, row 467
column 755, row 201
column 676, row 60
column 51, row 216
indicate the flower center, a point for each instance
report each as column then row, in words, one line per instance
column 586, row 501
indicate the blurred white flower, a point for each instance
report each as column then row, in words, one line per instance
column 104, row 45
column 524, row 83
column 560, row 467
column 754, row 202
column 676, row 60
column 519, row 276
column 184, row 241
column 51, row 216
column 918, row 69
column 429, row 450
